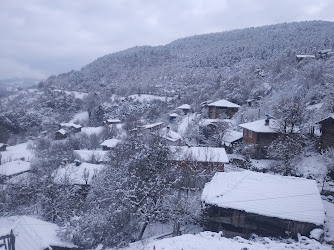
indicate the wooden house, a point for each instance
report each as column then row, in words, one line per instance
column 260, row 134
column 70, row 127
column 202, row 157
column 304, row 57
column 172, row 138
column 231, row 138
column 3, row 147
column 186, row 108
column 112, row 121
column 327, row 132
column 243, row 203
column 222, row 109
column 109, row 144
column 60, row 134
column 173, row 117
column 149, row 128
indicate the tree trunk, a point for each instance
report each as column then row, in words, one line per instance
column 141, row 233
column 176, row 228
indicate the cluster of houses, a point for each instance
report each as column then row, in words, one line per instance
column 236, row 203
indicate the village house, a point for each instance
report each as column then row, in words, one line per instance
column 3, row 147
column 199, row 157
column 243, row 203
column 327, row 132
column 324, row 54
column 231, row 138
column 260, row 134
column 222, row 109
column 173, row 117
column 112, row 121
column 148, row 128
column 186, row 108
column 60, row 134
column 172, row 138
column 304, row 57
column 70, row 127
column 109, row 144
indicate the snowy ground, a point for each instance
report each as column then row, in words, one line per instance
column 14, row 167
column 16, row 152
column 329, row 221
column 214, row 241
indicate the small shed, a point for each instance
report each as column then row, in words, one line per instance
column 173, row 117
column 186, row 108
column 204, row 157
column 61, row 134
column 261, row 134
column 3, row 147
column 112, row 121
column 327, row 132
column 109, row 144
column 222, row 109
column 231, row 138
column 243, row 203
column 70, row 127
column 149, row 128
column 172, row 138
column 304, row 57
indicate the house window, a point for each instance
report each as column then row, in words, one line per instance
column 250, row 134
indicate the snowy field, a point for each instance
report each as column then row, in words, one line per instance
column 16, row 152
column 214, row 241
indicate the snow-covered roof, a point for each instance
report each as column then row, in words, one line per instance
column 110, row 143
column 184, row 106
column 113, row 120
column 330, row 116
column 260, row 127
column 61, row 131
column 232, row 136
column 170, row 135
column 148, row 126
column 305, row 56
column 70, row 124
column 73, row 174
column 32, row 234
column 224, row 103
column 173, row 115
column 217, row 241
column 14, row 167
column 276, row 196
column 201, row 154
column 86, row 155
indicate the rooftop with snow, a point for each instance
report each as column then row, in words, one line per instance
column 184, row 106
column 224, row 103
column 283, row 197
column 260, row 126
column 110, row 143
column 70, row 124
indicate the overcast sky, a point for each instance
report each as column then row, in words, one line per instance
column 42, row 38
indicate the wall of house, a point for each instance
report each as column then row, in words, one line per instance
column 221, row 112
column 247, row 139
column 234, row 222
column 327, row 135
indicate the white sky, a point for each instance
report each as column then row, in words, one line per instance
column 40, row 37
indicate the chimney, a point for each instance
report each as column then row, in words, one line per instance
column 266, row 122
